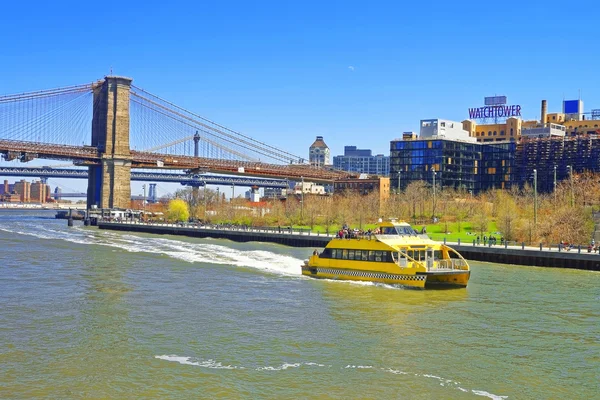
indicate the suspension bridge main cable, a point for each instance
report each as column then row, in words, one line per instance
column 46, row 93
column 169, row 113
column 281, row 152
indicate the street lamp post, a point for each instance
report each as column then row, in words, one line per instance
column 399, row 181
column 555, row 184
column 144, row 199
column 570, row 167
column 204, row 182
column 232, row 191
column 302, row 200
column 535, row 196
column 433, row 216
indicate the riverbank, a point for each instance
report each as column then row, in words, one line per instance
column 520, row 255
column 40, row 206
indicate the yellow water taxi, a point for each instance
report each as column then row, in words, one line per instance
column 394, row 253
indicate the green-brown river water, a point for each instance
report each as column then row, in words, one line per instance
column 86, row 313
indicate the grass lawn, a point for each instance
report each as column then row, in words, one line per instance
column 466, row 234
column 434, row 231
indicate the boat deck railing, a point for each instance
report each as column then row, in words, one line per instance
column 450, row 265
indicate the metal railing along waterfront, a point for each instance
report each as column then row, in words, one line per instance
column 287, row 230
column 514, row 245
column 284, row 230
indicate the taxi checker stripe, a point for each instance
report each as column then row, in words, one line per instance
column 378, row 275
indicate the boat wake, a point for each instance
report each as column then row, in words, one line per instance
column 170, row 247
column 211, row 364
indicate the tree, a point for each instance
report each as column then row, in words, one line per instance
column 312, row 208
column 328, row 214
column 178, row 210
column 569, row 224
column 480, row 221
column 506, row 210
column 414, row 195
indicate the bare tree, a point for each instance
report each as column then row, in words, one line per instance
column 507, row 215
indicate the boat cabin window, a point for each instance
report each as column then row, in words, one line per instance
column 358, row 255
column 389, row 230
column 398, row 230
column 418, row 255
column 407, row 230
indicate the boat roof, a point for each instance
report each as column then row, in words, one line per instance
column 393, row 222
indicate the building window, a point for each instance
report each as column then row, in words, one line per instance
column 511, row 132
column 494, row 133
column 489, row 133
column 501, row 133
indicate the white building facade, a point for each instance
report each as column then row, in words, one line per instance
column 318, row 153
column 444, row 129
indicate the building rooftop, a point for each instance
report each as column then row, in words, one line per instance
column 319, row 142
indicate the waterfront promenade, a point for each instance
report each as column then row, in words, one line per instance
column 41, row 206
column 552, row 256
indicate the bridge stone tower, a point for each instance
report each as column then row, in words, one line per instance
column 109, row 184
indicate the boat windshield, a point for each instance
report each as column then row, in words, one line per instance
column 398, row 230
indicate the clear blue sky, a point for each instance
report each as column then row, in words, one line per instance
column 357, row 73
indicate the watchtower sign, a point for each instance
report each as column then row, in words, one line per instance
column 496, row 108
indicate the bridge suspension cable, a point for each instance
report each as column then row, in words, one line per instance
column 223, row 133
column 45, row 93
column 188, row 138
column 56, row 116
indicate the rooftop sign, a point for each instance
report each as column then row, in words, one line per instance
column 501, row 111
column 494, row 101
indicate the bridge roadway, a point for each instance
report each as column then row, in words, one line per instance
column 90, row 155
column 184, row 179
column 505, row 254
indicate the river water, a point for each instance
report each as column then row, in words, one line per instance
column 100, row 314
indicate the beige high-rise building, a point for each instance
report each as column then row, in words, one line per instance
column 39, row 192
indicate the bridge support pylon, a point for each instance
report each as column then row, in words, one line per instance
column 109, row 184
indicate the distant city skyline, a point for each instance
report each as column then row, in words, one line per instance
column 283, row 73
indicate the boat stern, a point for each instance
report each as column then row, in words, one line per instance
column 447, row 280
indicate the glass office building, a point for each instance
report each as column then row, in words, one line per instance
column 553, row 159
column 473, row 167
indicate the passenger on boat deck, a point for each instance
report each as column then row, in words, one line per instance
column 315, row 253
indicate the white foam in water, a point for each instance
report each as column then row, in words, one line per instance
column 486, row 394
column 205, row 364
column 210, row 253
column 280, row 368
column 184, row 251
column 395, row 371
column 217, row 365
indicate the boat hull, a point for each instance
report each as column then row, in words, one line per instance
column 452, row 279
column 413, row 281
column 429, row 280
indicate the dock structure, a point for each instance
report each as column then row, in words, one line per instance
column 502, row 254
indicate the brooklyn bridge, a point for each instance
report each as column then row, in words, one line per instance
column 112, row 126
